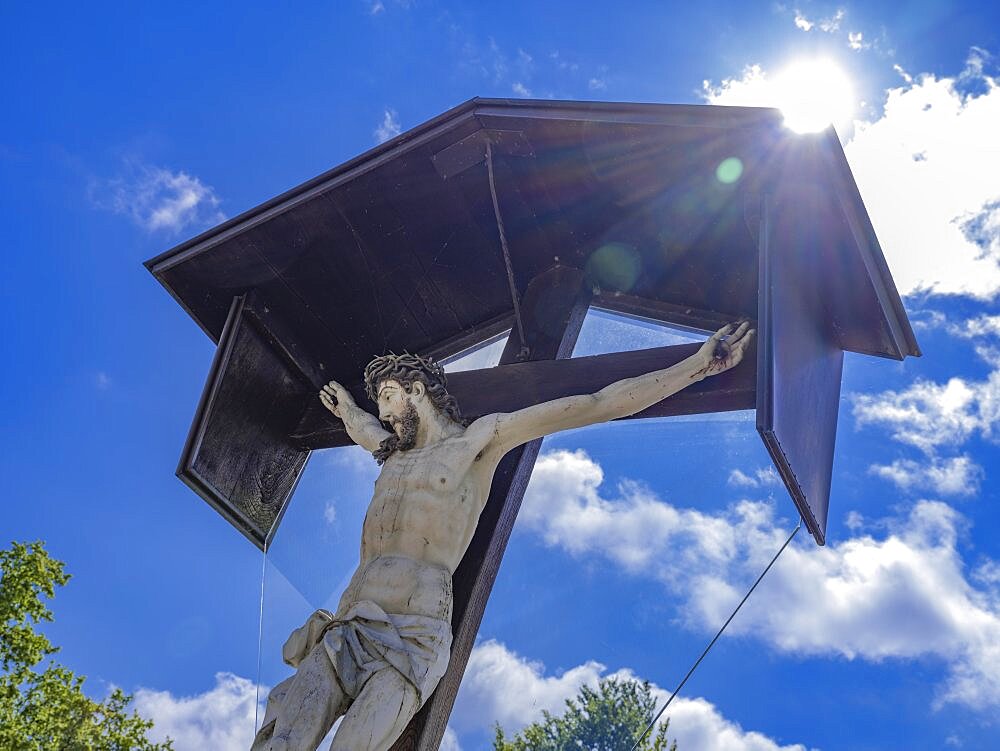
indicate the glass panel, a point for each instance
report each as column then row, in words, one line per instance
column 486, row 354
column 315, row 550
column 622, row 526
column 605, row 331
column 601, row 572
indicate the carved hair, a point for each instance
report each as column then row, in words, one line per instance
column 407, row 369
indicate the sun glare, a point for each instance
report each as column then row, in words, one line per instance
column 812, row 94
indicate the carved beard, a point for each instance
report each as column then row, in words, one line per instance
column 405, row 439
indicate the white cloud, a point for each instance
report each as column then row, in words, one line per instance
column 498, row 61
column 930, row 415
column 355, row 460
column 828, row 25
column 933, row 416
column 597, row 84
column 832, row 24
column 984, row 325
column 903, row 596
column 563, row 64
column 520, row 89
column 375, row 7
column 501, row 686
column 958, row 475
column 389, row 127
column 750, row 89
column 927, row 172
column 355, row 469
column 902, row 73
column 697, row 725
column 221, row 718
column 983, row 330
column 158, row 199
column 856, row 40
column 564, row 505
column 450, row 741
column 761, row 477
column 102, row 380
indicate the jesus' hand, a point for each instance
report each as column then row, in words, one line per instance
column 333, row 395
column 724, row 349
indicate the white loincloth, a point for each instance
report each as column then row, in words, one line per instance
column 366, row 639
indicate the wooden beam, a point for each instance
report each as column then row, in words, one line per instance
column 512, row 386
column 507, row 388
column 552, row 308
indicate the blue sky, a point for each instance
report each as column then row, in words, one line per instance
column 127, row 129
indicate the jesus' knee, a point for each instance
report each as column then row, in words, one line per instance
column 312, row 704
column 379, row 714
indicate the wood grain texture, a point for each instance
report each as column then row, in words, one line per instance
column 238, row 456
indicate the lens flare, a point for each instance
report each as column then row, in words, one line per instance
column 729, row 170
column 614, row 266
column 812, row 94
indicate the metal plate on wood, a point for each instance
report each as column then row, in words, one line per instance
column 471, row 150
column 799, row 366
column 238, row 456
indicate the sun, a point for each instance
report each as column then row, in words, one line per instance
column 813, row 94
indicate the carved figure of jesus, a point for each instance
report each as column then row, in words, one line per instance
column 378, row 658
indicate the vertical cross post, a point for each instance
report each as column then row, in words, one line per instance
column 552, row 309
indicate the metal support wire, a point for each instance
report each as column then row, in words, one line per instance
column 260, row 639
column 523, row 355
column 716, row 637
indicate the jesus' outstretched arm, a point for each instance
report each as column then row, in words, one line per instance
column 723, row 351
column 363, row 428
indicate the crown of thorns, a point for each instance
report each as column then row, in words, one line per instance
column 401, row 368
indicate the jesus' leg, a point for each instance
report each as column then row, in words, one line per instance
column 274, row 703
column 312, row 702
column 379, row 714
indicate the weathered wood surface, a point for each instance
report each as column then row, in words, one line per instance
column 387, row 253
column 553, row 307
column 238, row 455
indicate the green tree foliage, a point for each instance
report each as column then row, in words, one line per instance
column 609, row 718
column 43, row 706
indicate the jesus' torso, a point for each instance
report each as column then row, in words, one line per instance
column 420, row 521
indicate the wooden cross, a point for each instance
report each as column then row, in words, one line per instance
column 397, row 250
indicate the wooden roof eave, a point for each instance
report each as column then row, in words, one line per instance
column 870, row 250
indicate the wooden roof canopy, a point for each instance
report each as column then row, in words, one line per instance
column 692, row 215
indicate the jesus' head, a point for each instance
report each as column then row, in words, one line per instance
column 401, row 385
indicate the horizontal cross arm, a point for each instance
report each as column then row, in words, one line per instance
column 507, row 388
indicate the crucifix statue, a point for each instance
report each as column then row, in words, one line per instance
column 617, row 206
column 379, row 657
